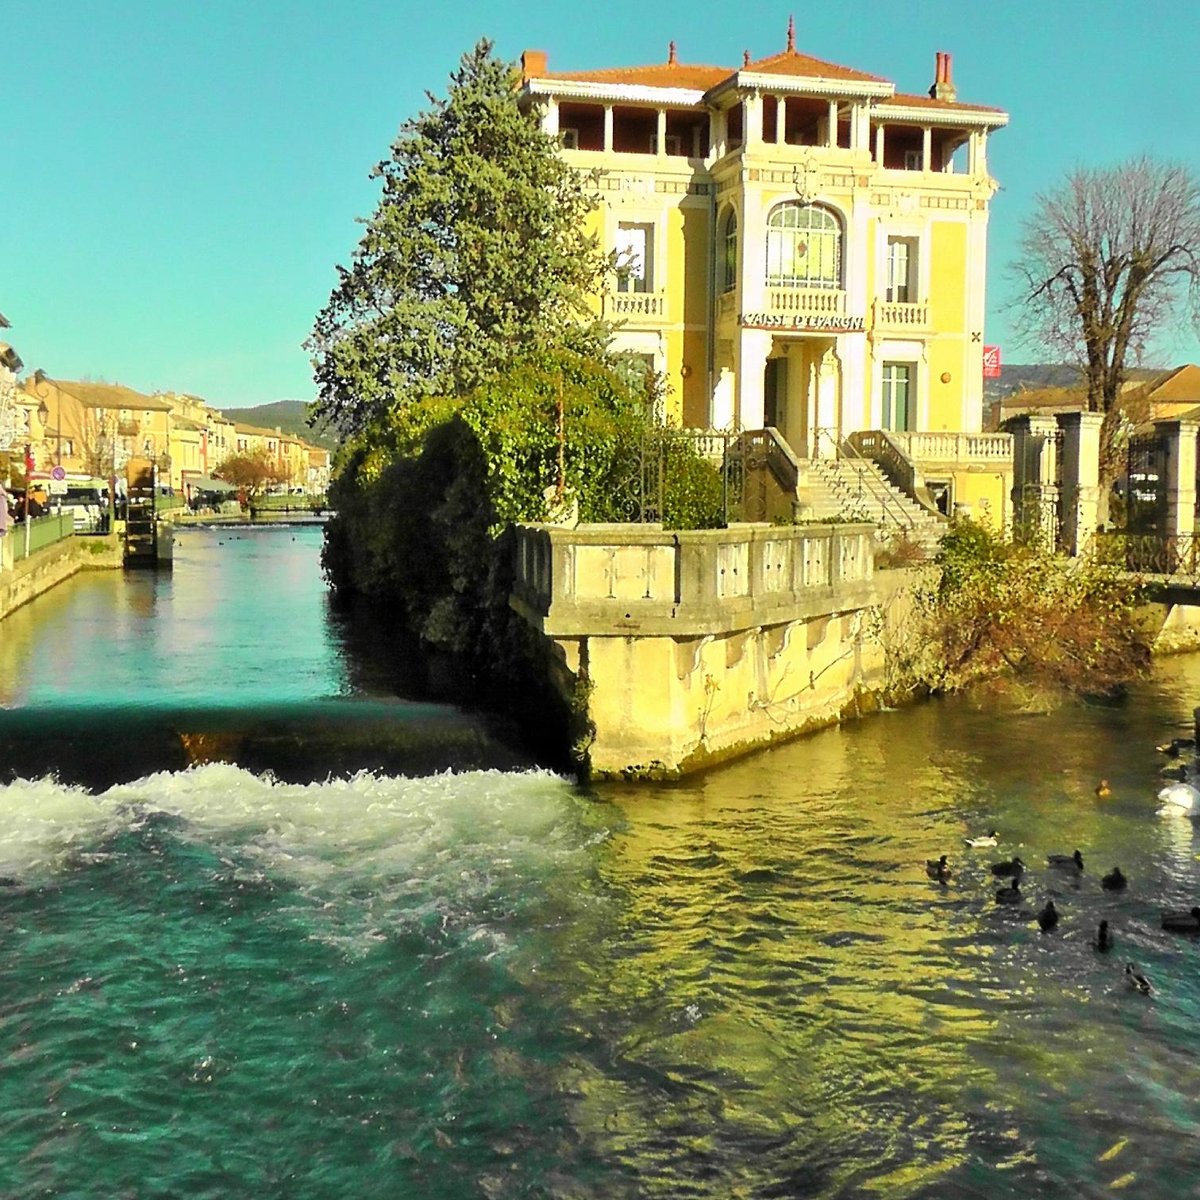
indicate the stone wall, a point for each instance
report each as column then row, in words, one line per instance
column 701, row 645
column 47, row 568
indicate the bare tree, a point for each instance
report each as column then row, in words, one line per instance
column 1108, row 261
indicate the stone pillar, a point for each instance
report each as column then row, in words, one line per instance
column 927, row 149
column 827, row 430
column 1179, row 440
column 1034, row 494
column 660, row 133
column 879, row 145
column 1080, row 479
column 831, row 139
column 608, row 128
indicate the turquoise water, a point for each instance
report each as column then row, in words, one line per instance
column 489, row 983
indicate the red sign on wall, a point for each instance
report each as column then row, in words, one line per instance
column 991, row 362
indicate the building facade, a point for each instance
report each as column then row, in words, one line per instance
column 798, row 245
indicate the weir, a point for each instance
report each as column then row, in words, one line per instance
column 687, row 648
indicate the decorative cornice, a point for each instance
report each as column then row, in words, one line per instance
column 800, row 85
column 932, row 116
column 629, row 92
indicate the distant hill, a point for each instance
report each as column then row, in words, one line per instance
column 1016, row 377
column 289, row 416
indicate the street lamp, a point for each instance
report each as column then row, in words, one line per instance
column 40, row 381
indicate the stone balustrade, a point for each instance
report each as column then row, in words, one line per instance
column 621, row 579
column 965, row 448
column 629, row 306
column 816, row 302
column 896, row 315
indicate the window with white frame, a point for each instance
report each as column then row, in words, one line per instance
column 804, row 247
column 729, row 249
column 902, row 270
column 635, row 257
column 899, row 396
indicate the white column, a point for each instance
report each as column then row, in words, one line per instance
column 827, row 433
column 752, row 121
column 926, row 149
column 719, row 133
column 754, row 345
column 831, row 139
column 661, row 132
column 608, row 128
column 550, row 117
column 780, row 120
column 879, row 144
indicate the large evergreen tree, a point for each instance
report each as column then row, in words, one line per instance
column 475, row 257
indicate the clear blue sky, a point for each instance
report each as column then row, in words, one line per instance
column 180, row 177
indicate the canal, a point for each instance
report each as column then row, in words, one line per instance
column 272, row 927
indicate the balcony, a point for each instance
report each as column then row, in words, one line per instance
column 894, row 315
column 636, row 307
column 806, row 302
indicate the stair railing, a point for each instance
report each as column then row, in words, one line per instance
column 870, row 482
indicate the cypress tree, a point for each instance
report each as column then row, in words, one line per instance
column 475, row 257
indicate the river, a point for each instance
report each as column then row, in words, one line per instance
column 381, row 955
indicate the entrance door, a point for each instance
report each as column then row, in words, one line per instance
column 775, row 393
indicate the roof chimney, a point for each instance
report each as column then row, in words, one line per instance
column 943, row 85
column 533, row 64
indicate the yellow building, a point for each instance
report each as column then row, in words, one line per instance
column 799, row 245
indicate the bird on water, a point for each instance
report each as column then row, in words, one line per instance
column 977, row 843
column 1103, row 941
column 1114, row 881
column 936, row 868
column 1066, row 862
column 1103, row 790
column 1182, row 922
column 1015, row 867
column 1137, row 980
column 1012, row 894
column 1048, row 917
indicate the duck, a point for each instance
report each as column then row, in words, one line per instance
column 1048, row 917
column 1015, row 867
column 1065, row 862
column 1137, row 980
column 1012, row 894
column 1114, row 881
column 936, row 868
column 1103, row 941
column 1103, row 791
column 1182, row 922
column 977, row 843
column 1181, row 795
column 1175, row 745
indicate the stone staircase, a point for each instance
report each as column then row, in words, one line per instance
column 856, row 489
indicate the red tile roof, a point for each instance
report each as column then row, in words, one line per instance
column 904, row 100
column 659, row 75
column 790, row 62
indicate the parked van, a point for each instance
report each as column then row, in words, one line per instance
column 87, row 503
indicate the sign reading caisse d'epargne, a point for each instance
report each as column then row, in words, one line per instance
column 803, row 321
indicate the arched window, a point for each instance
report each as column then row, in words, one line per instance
column 804, row 247
column 729, row 257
